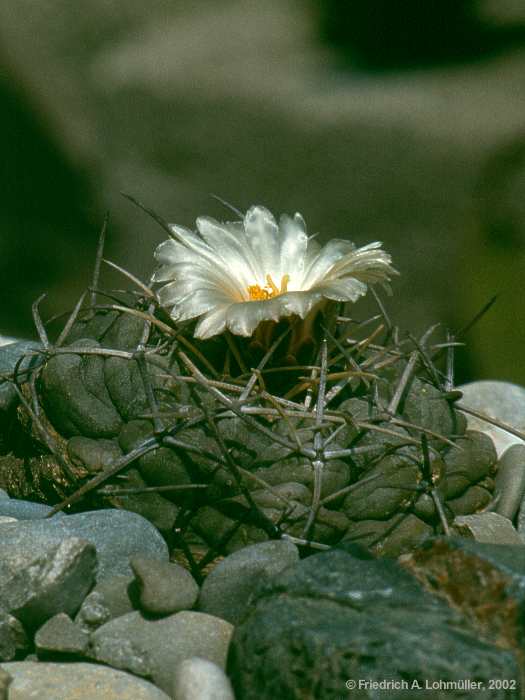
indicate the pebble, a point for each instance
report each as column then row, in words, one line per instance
column 510, row 481
column 24, row 510
column 154, row 647
column 165, row 587
column 60, row 635
column 111, row 597
column 3, row 494
column 34, row 587
column 199, row 679
column 6, row 519
column 227, row 589
column 116, row 534
column 489, row 527
column 81, row 681
column 503, row 401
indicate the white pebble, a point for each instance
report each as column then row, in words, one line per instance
column 199, row 679
column 500, row 400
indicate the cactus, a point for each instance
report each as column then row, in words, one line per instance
column 228, row 441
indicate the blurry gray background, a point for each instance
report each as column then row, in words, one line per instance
column 377, row 120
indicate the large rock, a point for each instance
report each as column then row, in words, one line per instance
column 116, row 534
column 485, row 581
column 335, row 617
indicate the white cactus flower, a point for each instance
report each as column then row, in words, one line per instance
column 236, row 275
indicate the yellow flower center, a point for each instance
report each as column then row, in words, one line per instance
column 258, row 293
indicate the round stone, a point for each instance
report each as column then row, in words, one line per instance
column 503, row 401
column 165, row 587
column 76, row 680
column 200, row 679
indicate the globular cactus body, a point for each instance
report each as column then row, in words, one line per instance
column 362, row 444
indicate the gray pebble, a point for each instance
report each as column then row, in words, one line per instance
column 93, row 613
column 24, row 510
column 116, row 534
column 227, row 589
column 489, row 527
column 199, row 679
column 156, row 646
column 111, row 597
column 501, row 400
column 81, row 681
column 60, row 634
column 165, row 587
column 119, row 594
column 7, row 519
column 34, row 588
column 510, row 481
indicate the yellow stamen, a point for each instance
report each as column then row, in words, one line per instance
column 258, row 293
column 284, row 283
column 270, row 283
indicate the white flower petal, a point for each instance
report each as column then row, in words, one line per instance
column 164, row 274
column 212, row 324
column 349, row 289
column 193, row 243
column 243, row 319
column 294, row 242
column 168, row 294
column 333, row 251
column 312, row 251
column 369, row 263
column 262, row 233
column 200, row 302
column 172, row 252
column 233, row 248
column 297, row 303
column 177, row 270
column 166, row 252
column 194, row 276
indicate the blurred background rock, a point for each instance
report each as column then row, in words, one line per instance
column 377, row 119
